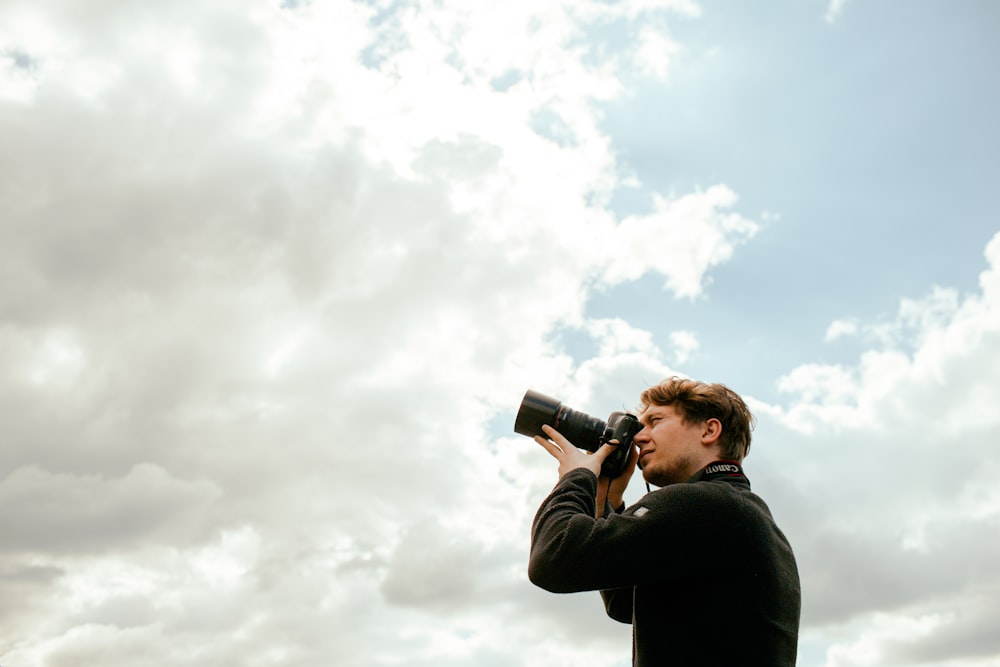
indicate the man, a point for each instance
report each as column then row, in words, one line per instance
column 698, row 567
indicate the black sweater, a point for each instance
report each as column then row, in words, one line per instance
column 700, row 569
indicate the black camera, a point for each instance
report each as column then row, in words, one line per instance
column 581, row 429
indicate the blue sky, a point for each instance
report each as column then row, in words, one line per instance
column 275, row 276
column 872, row 140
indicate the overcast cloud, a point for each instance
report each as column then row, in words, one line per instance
column 275, row 276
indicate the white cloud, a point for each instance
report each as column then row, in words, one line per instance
column 274, row 272
column 896, row 515
column 93, row 513
column 277, row 278
column 685, row 345
column 654, row 52
column 681, row 240
column 834, row 9
column 841, row 329
column 868, row 650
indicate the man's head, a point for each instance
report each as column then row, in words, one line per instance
column 686, row 425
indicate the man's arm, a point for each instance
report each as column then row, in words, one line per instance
column 618, row 603
column 588, row 502
column 572, row 551
column 574, row 498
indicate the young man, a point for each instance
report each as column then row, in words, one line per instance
column 698, row 567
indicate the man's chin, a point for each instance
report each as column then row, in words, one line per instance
column 662, row 476
column 657, row 477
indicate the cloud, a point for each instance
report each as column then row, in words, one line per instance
column 681, row 240
column 92, row 513
column 685, row 345
column 433, row 567
column 654, row 52
column 961, row 635
column 895, row 495
column 275, row 270
column 841, row 329
column 834, row 9
column 278, row 274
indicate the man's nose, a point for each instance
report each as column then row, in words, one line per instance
column 642, row 436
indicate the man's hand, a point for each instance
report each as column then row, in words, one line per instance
column 569, row 456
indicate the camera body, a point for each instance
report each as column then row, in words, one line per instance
column 581, row 429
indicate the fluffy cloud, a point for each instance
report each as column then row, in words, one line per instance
column 277, row 275
column 895, row 484
column 92, row 513
column 681, row 239
column 274, row 269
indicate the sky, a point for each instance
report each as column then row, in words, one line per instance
column 275, row 275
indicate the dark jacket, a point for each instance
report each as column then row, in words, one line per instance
column 700, row 569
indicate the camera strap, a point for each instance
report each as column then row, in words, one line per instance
column 721, row 468
column 715, row 470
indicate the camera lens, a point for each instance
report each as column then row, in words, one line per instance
column 581, row 429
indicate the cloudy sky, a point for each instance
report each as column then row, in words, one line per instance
column 275, row 275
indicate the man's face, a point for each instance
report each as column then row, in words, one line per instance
column 670, row 451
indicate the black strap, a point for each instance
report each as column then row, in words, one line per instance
column 721, row 468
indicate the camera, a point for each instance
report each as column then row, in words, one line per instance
column 581, row 429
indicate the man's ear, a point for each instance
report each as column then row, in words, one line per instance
column 711, row 431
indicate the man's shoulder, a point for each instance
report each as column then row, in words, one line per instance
column 703, row 496
column 701, row 489
column 675, row 495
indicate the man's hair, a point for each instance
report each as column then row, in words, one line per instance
column 697, row 402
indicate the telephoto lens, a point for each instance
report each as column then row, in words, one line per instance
column 581, row 429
